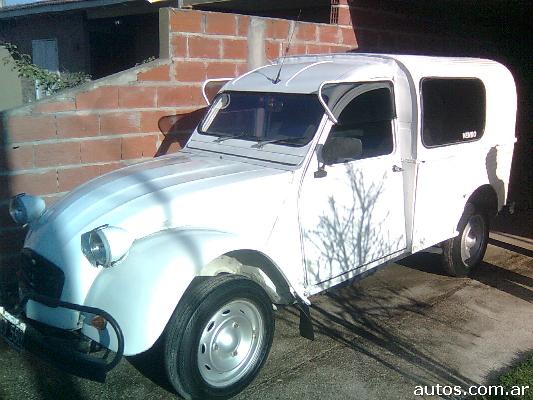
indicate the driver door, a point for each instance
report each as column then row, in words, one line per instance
column 353, row 218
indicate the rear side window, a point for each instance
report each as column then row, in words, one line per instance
column 453, row 111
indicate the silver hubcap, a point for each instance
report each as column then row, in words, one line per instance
column 472, row 239
column 230, row 343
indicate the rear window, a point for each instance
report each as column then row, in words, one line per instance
column 453, row 111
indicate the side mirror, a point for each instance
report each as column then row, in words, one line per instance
column 340, row 149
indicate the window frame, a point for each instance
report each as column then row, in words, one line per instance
column 381, row 84
column 422, row 114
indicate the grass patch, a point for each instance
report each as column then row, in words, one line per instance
column 521, row 375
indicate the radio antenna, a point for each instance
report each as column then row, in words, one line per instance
column 277, row 80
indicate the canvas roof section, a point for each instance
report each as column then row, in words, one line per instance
column 305, row 74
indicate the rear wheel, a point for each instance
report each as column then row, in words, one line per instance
column 218, row 337
column 465, row 252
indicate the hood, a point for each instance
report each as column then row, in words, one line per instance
column 174, row 191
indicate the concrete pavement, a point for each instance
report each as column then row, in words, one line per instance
column 404, row 326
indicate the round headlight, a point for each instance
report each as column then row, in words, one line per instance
column 25, row 208
column 106, row 245
column 97, row 249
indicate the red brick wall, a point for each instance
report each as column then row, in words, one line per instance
column 50, row 147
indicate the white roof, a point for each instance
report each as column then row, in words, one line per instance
column 304, row 74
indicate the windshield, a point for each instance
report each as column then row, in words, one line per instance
column 289, row 119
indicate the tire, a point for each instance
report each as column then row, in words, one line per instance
column 463, row 253
column 218, row 338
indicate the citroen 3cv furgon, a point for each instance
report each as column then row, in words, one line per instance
column 302, row 174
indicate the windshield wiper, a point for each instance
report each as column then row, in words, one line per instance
column 221, row 139
column 287, row 139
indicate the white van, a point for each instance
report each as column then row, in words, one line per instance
column 303, row 174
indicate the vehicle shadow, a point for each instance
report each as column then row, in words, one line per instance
column 352, row 235
column 518, row 224
column 360, row 322
column 511, row 247
column 150, row 365
column 507, row 281
column 424, row 262
column 46, row 382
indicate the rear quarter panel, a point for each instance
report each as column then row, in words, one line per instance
column 448, row 175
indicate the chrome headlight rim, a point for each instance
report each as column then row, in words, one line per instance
column 25, row 208
column 106, row 245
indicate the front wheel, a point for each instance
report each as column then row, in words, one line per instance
column 218, row 337
column 466, row 251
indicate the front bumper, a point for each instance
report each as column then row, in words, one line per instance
column 62, row 348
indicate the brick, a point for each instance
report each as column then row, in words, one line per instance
column 306, row 32
column 329, row 34
column 137, row 97
column 119, row 123
column 138, row 146
column 345, row 17
column 235, row 49
column 57, row 106
column 70, row 178
column 150, row 120
column 186, row 21
column 243, row 25
column 99, row 98
column 20, row 157
column 55, row 154
column 179, row 46
column 203, row 47
column 220, row 70
column 339, row 49
column 106, row 168
column 272, row 49
column 34, row 183
column 100, row 150
column 161, row 73
column 29, row 128
column 242, row 69
column 221, row 24
column 297, row 49
column 190, row 71
column 317, row 49
column 348, row 37
column 278, row 29
column 179, row 96
column 77, row 125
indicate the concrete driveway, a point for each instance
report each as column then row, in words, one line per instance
column 404, row 326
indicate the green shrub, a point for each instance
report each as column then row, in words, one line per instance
column 49, row 82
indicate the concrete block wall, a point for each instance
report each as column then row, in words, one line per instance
column 50, row 147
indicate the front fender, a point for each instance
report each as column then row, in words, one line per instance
column 142, row 292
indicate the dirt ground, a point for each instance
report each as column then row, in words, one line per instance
column 406, row 325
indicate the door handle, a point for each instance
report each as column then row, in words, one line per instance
column 395, row 168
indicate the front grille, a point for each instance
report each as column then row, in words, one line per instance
column 40, row 276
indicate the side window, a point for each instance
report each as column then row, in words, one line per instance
column 453, row 111
column 368, row 117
